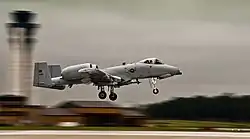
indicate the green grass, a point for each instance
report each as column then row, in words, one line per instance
column 92, row 128
column 153, row 125
column 100, row 128
column 199, row 124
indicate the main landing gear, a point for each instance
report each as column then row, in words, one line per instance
column 152, row 83
column 70, row 85
column 102, row 94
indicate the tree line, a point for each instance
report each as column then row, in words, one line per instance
column 225, row 107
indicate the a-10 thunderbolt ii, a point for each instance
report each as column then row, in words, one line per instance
column 51, row 76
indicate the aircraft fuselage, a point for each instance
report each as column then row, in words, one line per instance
column 141, row 71
column 71, row 74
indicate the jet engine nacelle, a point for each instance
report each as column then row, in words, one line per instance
column 72, row 72
column 165, row 76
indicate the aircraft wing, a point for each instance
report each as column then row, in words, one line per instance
column 99, row 77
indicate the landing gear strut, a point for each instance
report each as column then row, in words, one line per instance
column 112, row 96
column 152, row 83
column 70, row 85
column 102, row 94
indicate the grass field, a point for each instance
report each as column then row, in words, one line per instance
column 198, row 124
column 153, row 125
column 95, row 128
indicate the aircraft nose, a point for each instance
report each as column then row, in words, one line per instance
column 179, row 72
column 175, row 70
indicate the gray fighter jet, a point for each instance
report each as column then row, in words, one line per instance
column 53, row 77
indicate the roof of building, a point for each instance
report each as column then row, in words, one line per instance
column 35, row 106
column 3, row 105
column 87, row 104
column 58, row 112
column 11, row 97
column 132, row 113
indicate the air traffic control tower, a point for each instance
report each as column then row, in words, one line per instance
column 21, row 39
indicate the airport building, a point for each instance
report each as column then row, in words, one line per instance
column 21, row 30
column 104, row 113
column 14, row 111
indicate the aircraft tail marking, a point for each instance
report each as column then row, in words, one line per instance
column 42, row 75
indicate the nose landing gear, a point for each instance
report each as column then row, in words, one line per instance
column 152, row 83
column 156, row 91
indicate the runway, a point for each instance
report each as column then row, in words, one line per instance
column 49, row 134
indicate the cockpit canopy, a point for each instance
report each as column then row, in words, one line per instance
column 152, row 61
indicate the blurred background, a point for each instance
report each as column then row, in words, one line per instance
column 207, row 39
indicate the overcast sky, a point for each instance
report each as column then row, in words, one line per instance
column 208, row 39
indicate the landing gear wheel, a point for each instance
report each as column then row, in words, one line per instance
column 155, row 91
column 113, row 96
column 102, row 95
